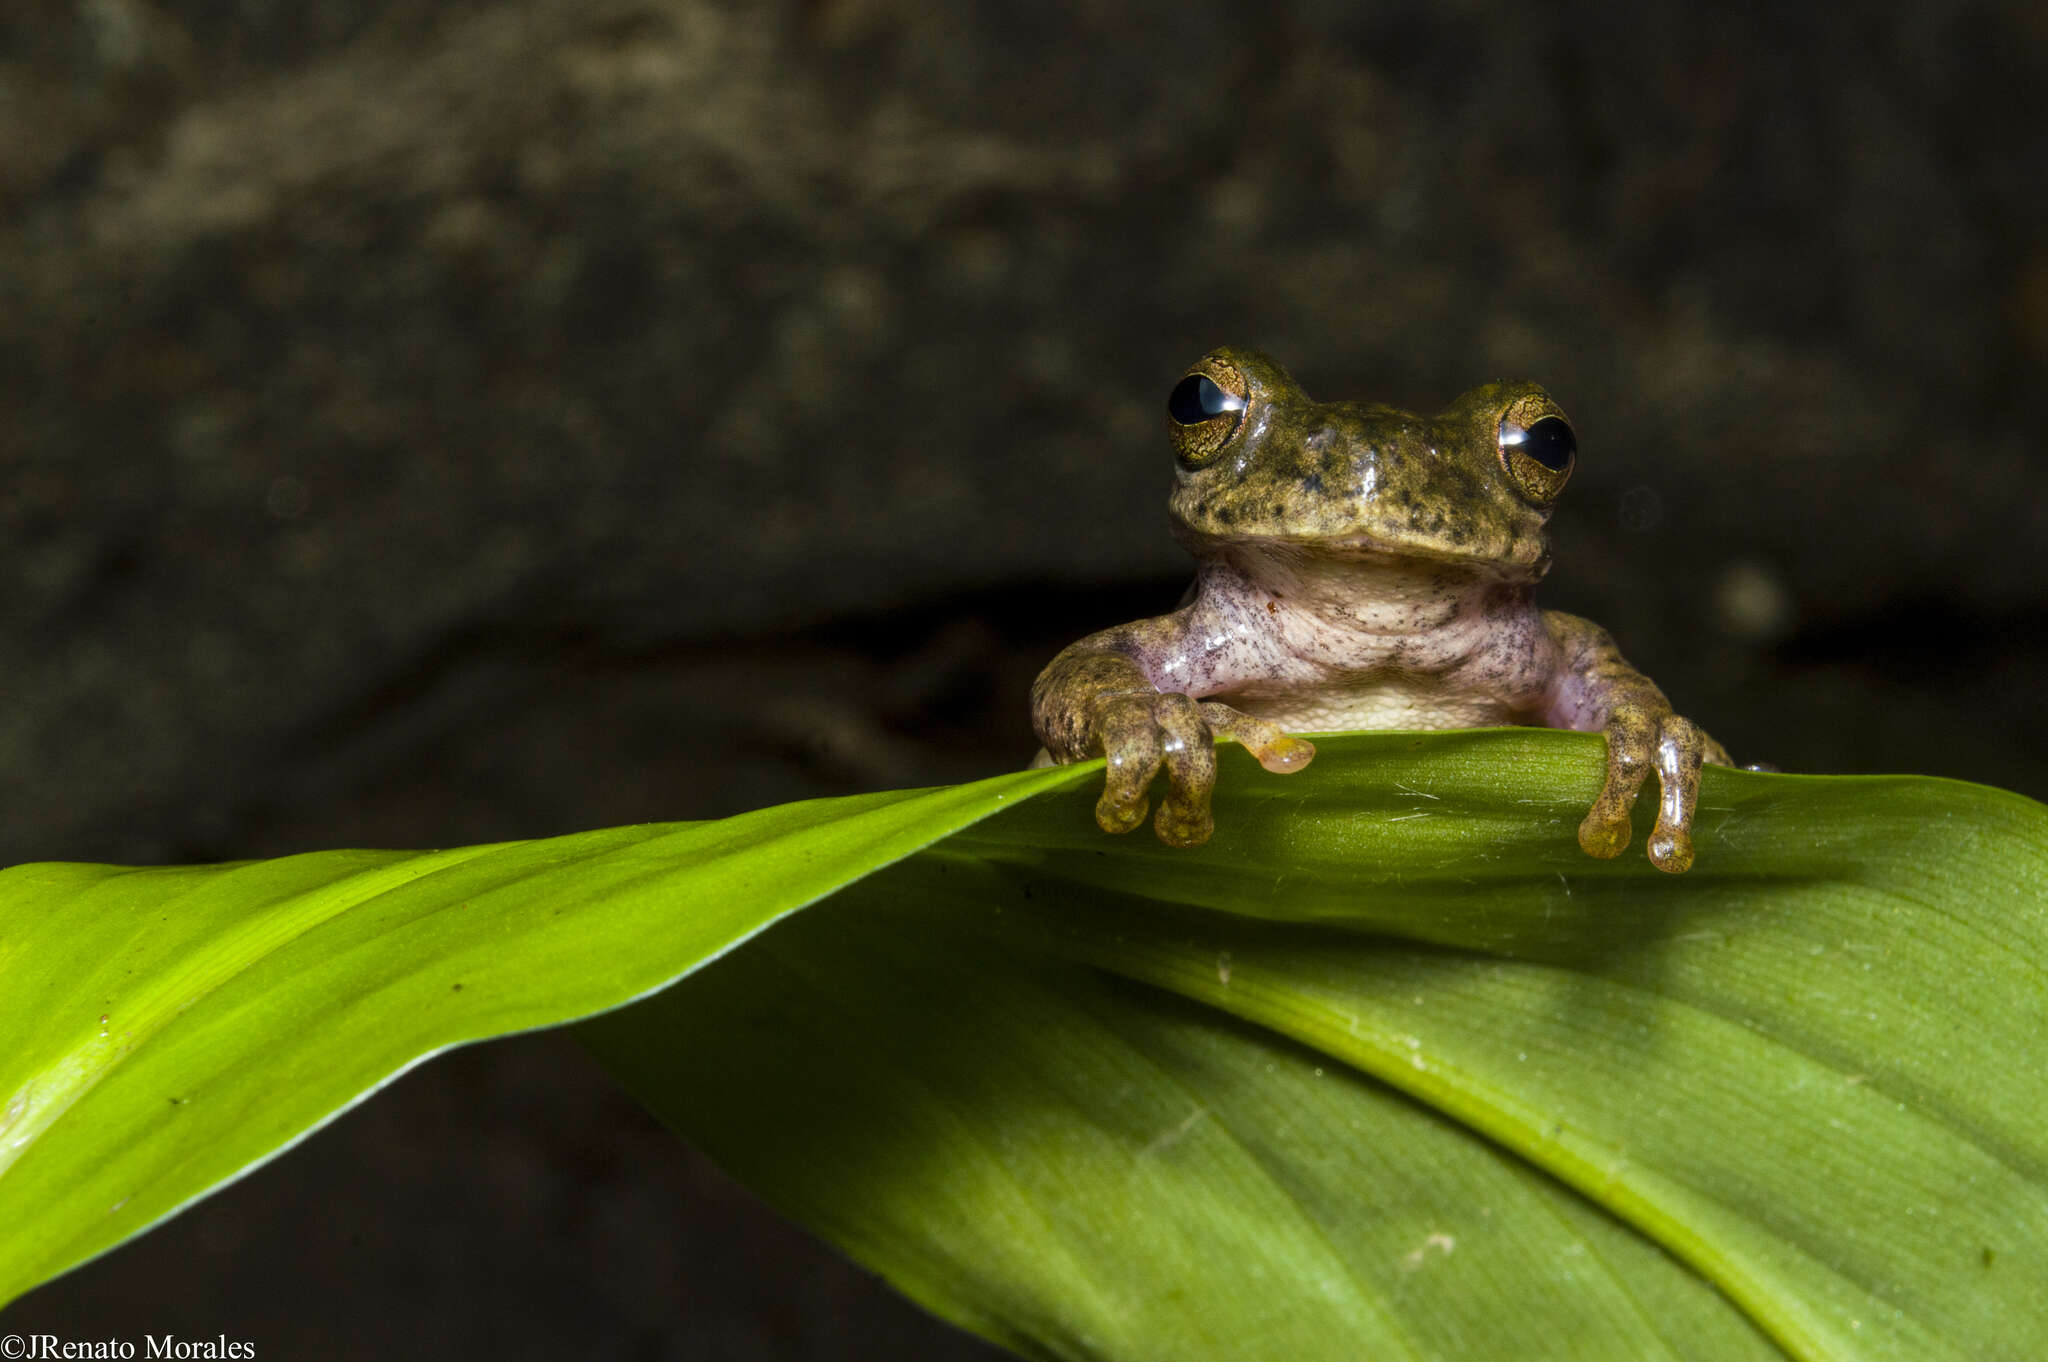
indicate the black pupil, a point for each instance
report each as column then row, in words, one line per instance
column 1551, row 443
column 1196, row 399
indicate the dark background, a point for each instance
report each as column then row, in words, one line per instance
column 436, row 423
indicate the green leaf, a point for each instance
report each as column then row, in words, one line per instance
column 1433, row 1085
column 1430, row 1084
column 167, row 1030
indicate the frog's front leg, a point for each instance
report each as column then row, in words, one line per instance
column 1098, row 699
column 1596, row 689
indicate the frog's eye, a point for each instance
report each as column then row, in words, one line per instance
column 1537, row 448
column 1196, row 398
column 1206, row 408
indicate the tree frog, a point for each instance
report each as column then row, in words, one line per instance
column 1358, row 567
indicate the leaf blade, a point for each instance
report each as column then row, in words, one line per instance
column 172, row 1028
column 1884, row 931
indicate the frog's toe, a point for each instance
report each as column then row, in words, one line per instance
column 1188, row 750
column 1131, row 758
column 1286, row 755
column 1671, row 850
column 1129, row 771
column 1681, row 748
column 1115, row 815
column 1605, row 832
column 1182, row 827
column 1276, row 749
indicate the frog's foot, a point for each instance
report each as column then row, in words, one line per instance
column 1676, row 747
column 1143, row 733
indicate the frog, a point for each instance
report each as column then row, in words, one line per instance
column 1359, row 567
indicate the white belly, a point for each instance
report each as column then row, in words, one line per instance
column 1385, row 704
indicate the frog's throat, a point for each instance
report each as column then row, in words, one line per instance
column 1381, row 595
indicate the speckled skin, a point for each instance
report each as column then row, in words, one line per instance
column 1360, row 567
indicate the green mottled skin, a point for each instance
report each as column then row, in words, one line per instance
column 1359, row 567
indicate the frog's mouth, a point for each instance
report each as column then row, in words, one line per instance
column 1506, row 559
column 1378, row 552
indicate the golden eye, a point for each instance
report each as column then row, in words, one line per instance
column 1537, row 447
column 1206, row 407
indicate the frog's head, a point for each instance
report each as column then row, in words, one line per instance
column 1263, row 466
